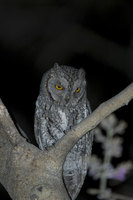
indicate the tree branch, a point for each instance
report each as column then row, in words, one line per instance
column 28, row 173
column 123, row 98
column 7, row 125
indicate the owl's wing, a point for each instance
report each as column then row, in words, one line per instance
column 41, row 124
column 47, row 131
column 88, row 108
column 76, row 164
column 38, row 121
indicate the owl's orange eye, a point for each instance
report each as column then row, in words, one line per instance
column 77, row 90
column 59, row 87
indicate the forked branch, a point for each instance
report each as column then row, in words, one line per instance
column 28, row 173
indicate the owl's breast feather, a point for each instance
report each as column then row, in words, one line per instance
column 63, row 119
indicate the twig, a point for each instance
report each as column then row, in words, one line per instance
column 106, row 162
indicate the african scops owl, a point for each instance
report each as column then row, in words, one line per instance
column 61, row 104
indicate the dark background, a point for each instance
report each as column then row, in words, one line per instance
column 92, row 34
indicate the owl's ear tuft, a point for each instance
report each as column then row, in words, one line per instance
column 56, row 65
column 81, row 73
column 54, row 69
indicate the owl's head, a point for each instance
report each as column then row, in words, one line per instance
column 64, row 85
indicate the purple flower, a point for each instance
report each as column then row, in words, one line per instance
column 121, row 174
column 121, row 171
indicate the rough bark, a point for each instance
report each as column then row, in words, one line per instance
column 28, row 173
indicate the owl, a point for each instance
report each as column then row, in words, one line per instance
column 61, row 104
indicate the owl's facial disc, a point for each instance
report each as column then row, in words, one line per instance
column 66, row 90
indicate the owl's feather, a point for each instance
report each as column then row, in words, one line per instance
column 54, row 117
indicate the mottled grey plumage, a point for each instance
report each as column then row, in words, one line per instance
column 59, row 106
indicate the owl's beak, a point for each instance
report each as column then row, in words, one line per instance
column 67, row 98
